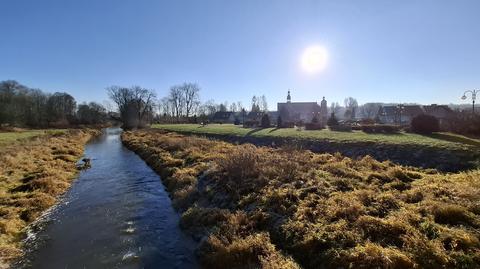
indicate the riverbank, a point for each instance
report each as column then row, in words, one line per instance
column 34, row 172
column 442, row 151
column 285, row 208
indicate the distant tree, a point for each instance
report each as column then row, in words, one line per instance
column 351, row 106
column 61, row 107
column 255, row 104
column 332, row 121
column 191, row 97
column 263, row 105
column 279, row 122
column 135, row 104
column 265, row 122
column 233, row 107
column 210, row 107
column 239, row 106
column 222, row 108
column 335, row 107
column 92, row 113
column 370, row 110
column 177, row 100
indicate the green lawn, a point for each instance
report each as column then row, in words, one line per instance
column 440, row 140
column 10, row 137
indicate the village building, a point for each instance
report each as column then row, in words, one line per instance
column 302, row 111
column 223, row 117
column 403, row 114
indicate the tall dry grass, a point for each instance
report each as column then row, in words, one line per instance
column 33, row 173
column 258, row 207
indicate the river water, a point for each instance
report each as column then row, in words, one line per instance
column 117, row 214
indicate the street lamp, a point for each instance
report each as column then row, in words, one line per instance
column 473, row 93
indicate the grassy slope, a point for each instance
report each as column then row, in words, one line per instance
column 437, row 141
column 33, row 173
column 261, row 207
column 7, row 138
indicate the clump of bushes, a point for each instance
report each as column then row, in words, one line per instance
column 332, row 121
column 265, row 122
column 425, row 124
column 380, row 128
column 260, row 207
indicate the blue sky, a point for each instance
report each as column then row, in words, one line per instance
column 389, row 51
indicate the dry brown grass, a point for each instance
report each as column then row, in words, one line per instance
column 284, row 208
column 33, row 173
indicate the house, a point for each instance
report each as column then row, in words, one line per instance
column 302, row 111
column 223, row 117
column 399, row 114
column 403, row 114
column 441, row 112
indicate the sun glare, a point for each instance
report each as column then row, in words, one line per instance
column 314, row 59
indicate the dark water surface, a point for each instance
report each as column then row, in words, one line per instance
column 116, row 215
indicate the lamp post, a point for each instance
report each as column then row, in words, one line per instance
column 399, row 111
column 473, row 93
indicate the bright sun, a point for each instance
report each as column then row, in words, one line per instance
column 314, row 59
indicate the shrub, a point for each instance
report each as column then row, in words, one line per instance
column 313, row 126
column 251, row 123
column 381, row 128
column 341, row 128
column 265, row 121
column 332, row 121
column 279, row 122
column 425, row 124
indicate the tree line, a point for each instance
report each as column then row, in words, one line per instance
column 34, row 108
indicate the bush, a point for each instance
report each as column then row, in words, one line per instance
column 279, row 122
column 341, row 128
column 251, row 123
column 381, row 128
column 332, row 121
column 265, row 121
column 463, row 123
column 425, row 124
column 313, row 126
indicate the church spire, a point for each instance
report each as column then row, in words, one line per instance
column 289, row 98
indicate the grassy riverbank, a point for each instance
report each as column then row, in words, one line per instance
column 285, row 208
column 443, row 151
column 35, row 168
column 442, row 140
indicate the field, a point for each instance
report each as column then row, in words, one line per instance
column 442, row 151
column 261, row 207
column 7, row 138
column 35, row 168
column 442, row 140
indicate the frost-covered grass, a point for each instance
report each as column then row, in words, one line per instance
column 285, row 208
column 441, row 140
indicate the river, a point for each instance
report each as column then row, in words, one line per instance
column 117, row 214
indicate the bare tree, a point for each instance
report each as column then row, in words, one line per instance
column 233, row 107
column 255, row 104
column 351, row 106
column 135, row 104
column 240, row 106
column 191, row 97
column 263, row 104
column 369, row 110
column 177, row 100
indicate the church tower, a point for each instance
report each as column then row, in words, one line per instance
column 323, row 110
column 289, row 98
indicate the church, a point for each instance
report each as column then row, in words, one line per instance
column 303, row 111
